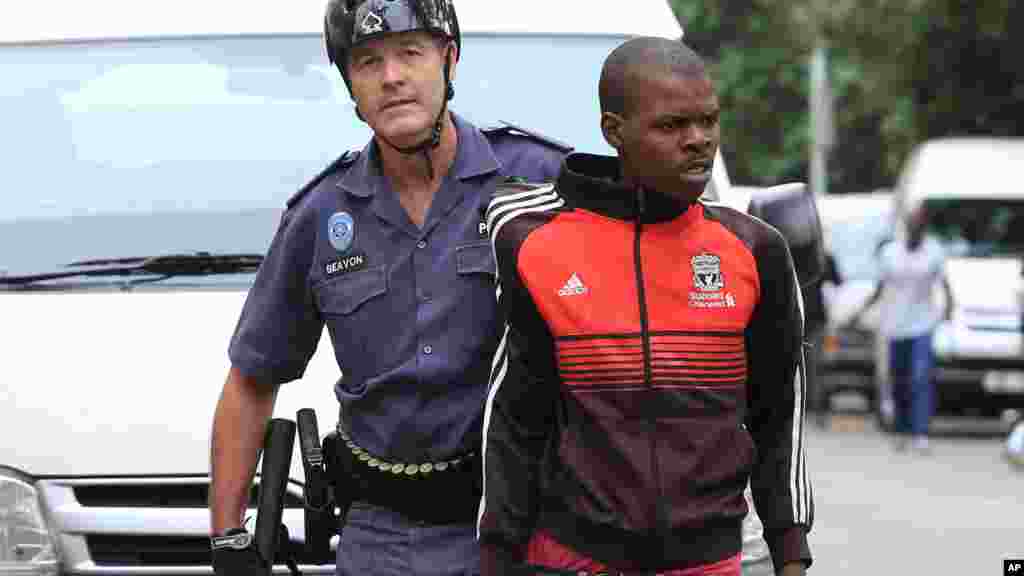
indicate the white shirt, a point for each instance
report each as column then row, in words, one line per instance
column 907, row 307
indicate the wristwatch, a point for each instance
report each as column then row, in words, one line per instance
column 233, row 539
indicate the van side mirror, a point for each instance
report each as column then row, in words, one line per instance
column 793, row 211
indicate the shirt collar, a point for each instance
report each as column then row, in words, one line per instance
column 592, row 182
column 473, row 157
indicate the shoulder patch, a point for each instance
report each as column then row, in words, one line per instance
column 504, row 128
column 343, row 161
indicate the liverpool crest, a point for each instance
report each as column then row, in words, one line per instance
column 707, row 272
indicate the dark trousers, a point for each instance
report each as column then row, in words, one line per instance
column 911, row 364
column 380, row 542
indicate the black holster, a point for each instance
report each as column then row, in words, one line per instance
column 441, row 497
column 341, row 482
column 324, row 499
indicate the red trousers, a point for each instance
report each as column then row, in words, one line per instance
column 543, row 550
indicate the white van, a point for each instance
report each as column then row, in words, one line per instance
column 972, row 190
column 133, row 130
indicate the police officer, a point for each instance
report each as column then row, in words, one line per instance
column 388, row 248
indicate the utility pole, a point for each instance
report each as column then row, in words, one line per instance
column 822, row 125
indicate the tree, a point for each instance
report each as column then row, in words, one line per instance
column 760, row 80
column 901, row 70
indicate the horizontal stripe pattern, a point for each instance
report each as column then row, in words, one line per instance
column 684, row 360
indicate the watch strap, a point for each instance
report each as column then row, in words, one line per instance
column 233, row 539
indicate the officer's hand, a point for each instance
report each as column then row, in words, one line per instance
column 246, row 562
column 234, row 555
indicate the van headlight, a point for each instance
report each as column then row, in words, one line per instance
column 26, row 544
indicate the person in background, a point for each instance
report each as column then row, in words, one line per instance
column 815, row 325
column 757, row 559
column 910, row 268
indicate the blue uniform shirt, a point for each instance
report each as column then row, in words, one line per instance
column 411, row 312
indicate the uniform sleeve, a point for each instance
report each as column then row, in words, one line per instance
column 518, row 419
column 780, row 481
column 280, row 327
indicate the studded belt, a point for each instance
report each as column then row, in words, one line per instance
column 438, row 492
column 402, row 469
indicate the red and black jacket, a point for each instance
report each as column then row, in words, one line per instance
column 650, row 364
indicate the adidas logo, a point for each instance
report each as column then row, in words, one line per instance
column 573, row 287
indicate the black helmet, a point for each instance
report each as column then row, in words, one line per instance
column 350, row 22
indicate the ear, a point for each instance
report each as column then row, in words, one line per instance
column 611, row 127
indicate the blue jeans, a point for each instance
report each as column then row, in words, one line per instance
column 379, row 542
column 911, row 363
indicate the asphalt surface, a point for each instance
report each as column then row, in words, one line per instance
column 956, row 511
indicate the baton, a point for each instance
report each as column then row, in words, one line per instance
column 277, row 456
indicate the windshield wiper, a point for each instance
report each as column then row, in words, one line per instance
column 153, row 268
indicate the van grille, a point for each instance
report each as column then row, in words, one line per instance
column 121, row 550
column 151, row 525
column 158, row 496
column 172, row 551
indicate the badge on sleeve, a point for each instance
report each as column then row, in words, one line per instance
column 341, row 230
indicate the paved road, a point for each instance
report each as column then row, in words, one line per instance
column 959, row 511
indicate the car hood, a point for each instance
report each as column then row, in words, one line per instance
column 986, row 291
column 125, row 383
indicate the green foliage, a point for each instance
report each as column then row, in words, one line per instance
column 760, row 80
column 901, row 71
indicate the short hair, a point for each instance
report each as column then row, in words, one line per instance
column 636, row 58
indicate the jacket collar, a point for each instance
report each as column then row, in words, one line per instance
column 592, row 182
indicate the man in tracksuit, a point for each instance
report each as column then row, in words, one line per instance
column 652, row 358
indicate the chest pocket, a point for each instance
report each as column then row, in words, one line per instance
column 344, row 295
column 476, row 258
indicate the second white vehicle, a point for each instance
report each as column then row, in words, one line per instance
column 971, row 190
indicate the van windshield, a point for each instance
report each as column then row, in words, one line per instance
column 855, row 233
column 978, row 227
column 180, row 145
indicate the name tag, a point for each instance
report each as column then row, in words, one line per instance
column 344, row 265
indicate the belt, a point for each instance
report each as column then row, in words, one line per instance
column 400, row 469
column 436, row 492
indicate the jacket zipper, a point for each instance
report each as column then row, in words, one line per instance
column 657, row 511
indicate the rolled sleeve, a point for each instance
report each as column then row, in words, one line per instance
column 279, row 328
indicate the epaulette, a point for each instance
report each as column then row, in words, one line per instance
column 343, row 161
column 504, row 127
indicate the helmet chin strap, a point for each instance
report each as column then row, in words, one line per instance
column 434, row 140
